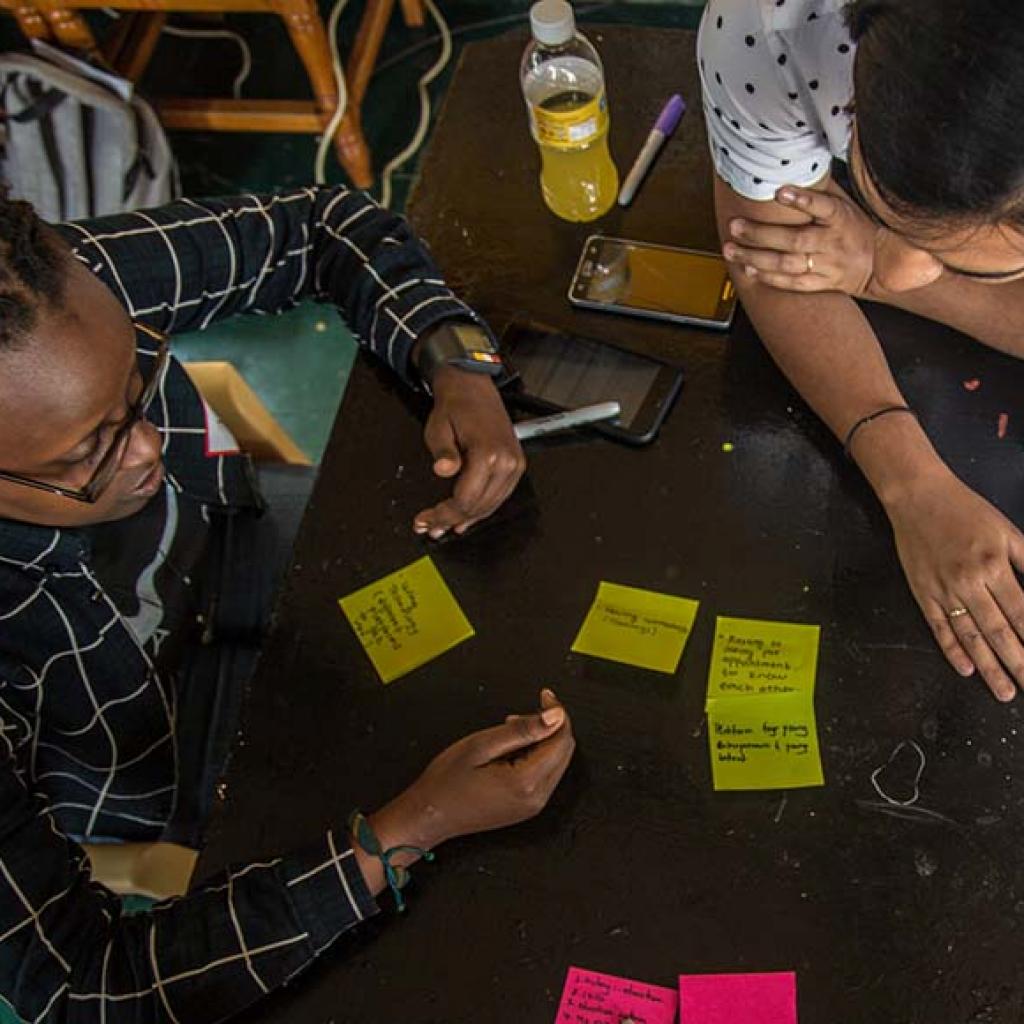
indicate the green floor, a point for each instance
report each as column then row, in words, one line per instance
column 299, row 364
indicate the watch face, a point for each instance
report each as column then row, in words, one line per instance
column 472, row 337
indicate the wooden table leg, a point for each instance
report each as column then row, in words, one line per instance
column 302, row 19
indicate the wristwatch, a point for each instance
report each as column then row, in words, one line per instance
column 466, row 346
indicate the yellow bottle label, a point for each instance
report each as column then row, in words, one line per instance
column 573, row 128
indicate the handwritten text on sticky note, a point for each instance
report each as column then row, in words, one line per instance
column 406, row 619
column 738, row 998
column 637, row 627
column 752, row 658
column 762, row 732
column 592, row 998
column 764, row 743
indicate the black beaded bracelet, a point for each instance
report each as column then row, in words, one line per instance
column 867, row 419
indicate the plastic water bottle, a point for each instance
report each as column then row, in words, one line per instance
column 563, row 85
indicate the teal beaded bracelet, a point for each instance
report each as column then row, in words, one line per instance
column 397, row 877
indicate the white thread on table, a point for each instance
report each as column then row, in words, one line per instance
column 917, row 778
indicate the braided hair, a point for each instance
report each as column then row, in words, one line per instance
column 33, row 271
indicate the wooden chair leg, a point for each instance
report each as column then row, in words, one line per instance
column 32, row 24
column 129, row 48
column 308, row 36
column 70, row 29
column 366, row 47
column 412, row 11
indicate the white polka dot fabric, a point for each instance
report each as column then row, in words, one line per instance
column 777, row 79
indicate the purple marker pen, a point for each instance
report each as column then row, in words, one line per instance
column 671, row 114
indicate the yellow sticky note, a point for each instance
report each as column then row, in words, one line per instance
column 764, row 743
column 406, row 619
column 637, row 627
column 753, row 658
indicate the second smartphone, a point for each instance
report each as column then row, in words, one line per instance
column 661, row 281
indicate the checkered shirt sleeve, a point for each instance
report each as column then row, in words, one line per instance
column 68, row 952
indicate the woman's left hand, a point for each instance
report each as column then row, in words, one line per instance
column 833, row 252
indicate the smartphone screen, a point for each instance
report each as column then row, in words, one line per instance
column 570, row 372
column 652, row 279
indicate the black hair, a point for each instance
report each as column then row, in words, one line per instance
column 33, row 270
column 938, row 93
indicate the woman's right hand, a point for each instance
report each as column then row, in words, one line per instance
column 487, row 780
column 959, row 552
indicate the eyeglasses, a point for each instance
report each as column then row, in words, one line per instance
column 111, row 460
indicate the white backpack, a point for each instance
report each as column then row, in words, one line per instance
column 79, row 143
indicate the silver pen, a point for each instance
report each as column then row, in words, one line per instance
column 544, row 425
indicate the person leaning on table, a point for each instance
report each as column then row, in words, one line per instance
column 920, row 99
column 130, row 554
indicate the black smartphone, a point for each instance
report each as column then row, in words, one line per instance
column 558, row 371
column 684, row 286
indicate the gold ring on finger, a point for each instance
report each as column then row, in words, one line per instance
column 955, row 613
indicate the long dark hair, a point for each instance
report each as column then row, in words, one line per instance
column 938, row 95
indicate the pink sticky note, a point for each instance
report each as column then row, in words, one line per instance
column 737, row 998
column 592, row 998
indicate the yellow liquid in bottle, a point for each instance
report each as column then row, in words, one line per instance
column 579, row 183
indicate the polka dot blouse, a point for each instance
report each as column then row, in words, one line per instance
column 777, row 77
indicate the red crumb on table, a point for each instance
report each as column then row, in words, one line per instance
column 1004, row 420
column 972, row 385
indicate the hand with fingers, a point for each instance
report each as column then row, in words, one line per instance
column 469, row 436
column 960, row 554
column 833, row 251
column 487, row 780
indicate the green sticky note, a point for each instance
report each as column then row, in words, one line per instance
column 764, row 743
column 753, row 658
column 406, row 619
column 637, row 627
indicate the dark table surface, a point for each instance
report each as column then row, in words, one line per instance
column 638, row 867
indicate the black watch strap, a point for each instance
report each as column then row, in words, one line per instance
column 456, row 343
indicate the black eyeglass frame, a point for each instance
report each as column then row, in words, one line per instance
column 108, row 465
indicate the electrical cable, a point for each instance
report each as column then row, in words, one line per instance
column 208, row 33
column 420, row 134
column 319, row 175
column 505, row 19
column 219, row 33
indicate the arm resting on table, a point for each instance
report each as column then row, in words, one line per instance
column 824, row 344
column 68, row 951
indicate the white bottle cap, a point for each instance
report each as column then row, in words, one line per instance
column 552, row 22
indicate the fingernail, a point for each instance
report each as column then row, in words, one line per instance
column 739, row 226
column 437, row 533
column 787, row 195
column 750, row 271
column 420, row 527
column 729, row 251
column 552, row 717
column 548, row 692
